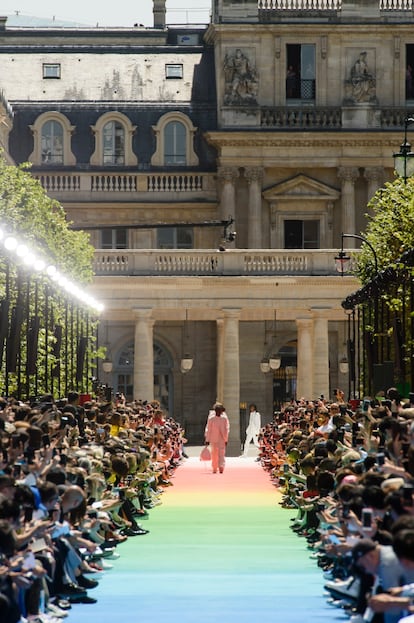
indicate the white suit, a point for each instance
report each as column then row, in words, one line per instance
column 252, row 431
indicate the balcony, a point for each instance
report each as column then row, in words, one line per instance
column 328, row 5
column 324, row 118
column 233, row 262
column 105, row 185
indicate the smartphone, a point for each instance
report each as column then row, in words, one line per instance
column 46, row 441
column 366, row 518
column 380, row 459
column 29, row 561
column 63, row 459
column 285, row 468
column 64, row 421
column 28, row 514
column 411, row 398
column 408, row 491
column 17, row 470
column 366, row 403
column 15, row 439
column 345, row 511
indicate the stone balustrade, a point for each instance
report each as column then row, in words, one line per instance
column 301, row 117
column 234, row 262
column 60, row 183
column 328, row 5
column 324, row 118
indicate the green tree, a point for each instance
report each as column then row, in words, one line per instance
column 390, row 228
column 33, row 217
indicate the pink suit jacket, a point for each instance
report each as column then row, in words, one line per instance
column 217, row 429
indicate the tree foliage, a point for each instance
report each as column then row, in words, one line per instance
column 40, row 222
column 27, row 211
column 390, row 228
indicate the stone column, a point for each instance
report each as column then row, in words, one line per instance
column 231, row 377
column 254, row 176
column 320, row 356
column 348, row 175
column 228, row 191
column 304, row 388
column 375, row 178
column 143, row 355
column 220, row 360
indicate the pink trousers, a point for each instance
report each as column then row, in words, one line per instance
column 218, row 460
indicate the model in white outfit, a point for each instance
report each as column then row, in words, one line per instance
column 253, row 429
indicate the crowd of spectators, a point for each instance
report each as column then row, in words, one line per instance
column 75, row 481
column 348, row 469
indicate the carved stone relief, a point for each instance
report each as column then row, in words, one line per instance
column 241, row 81
column 360, row 86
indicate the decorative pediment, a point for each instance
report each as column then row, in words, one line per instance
column 303, row 187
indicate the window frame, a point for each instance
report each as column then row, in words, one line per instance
column 97, row 158
column 174, row 243
column 170, row 69
column 302, row 82
column 36, row 128
column 46, row 66
column 114, row 158
column 157, row 158
column 115, row 232
column 304, row 222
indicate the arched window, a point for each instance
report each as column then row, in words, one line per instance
column 52, row 142
column 175, row 151
column 113, row 143
column 174, row 134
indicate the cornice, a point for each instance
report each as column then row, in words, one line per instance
column 256, row 140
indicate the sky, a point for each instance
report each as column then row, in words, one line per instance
column 119, row 13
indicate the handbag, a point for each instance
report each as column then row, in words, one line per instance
column 205, row 454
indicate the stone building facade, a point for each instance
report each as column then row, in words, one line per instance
column 281, row 115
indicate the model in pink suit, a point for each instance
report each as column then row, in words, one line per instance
column 217, row 434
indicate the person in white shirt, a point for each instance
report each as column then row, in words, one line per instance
column 253, row 429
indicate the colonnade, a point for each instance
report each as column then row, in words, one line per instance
column 312, row 358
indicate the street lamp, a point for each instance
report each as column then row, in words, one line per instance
column 273, row 360
column 342, row 259
column 187, row 361
column 404, row 159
